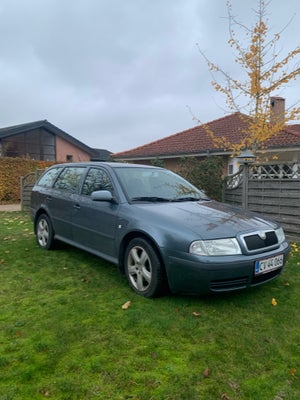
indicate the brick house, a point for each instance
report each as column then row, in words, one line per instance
column 41, row 140
column 196, row 142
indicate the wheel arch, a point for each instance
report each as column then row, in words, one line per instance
column 39, row 212
column 140, row 235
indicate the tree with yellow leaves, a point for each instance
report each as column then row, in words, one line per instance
column 265, row 74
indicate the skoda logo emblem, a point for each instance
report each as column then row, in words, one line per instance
column 262, row 235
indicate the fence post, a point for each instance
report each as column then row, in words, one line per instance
column 245, row 158
column 245, row 185
column 21, row 193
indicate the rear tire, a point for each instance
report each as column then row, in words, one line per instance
column 44, row 232
column 143, row 268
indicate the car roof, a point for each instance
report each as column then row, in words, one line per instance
column 99, row 163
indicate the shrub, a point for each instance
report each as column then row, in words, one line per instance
column 158, row 162
column 11, row 171
column 206, row 174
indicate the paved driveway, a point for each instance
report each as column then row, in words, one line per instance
column 10, row 207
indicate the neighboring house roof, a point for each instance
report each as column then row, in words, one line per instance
column 288, row 137
column 197, row 141
column 98, row 154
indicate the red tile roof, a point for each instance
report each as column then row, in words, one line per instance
column 198, row 141
column 289, row 136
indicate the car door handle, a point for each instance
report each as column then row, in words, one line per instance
column 77, row 206
column 49, row 198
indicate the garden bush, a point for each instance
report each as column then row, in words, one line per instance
column 206, row 174
column 11, row 171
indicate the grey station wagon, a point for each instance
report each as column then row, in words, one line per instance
column 159, row 229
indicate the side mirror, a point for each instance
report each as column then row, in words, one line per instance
column 102, row 195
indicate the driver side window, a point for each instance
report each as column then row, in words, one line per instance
column 96, row 179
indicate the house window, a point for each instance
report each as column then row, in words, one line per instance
column 36, row 144
column 69, row 158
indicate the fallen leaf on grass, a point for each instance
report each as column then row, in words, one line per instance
column 126, row 305
column 196, row 314
column 274, row 302
column 293, row 371
column 206, row 373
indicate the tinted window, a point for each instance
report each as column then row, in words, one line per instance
column 96, row 179
column 49, row 177
column 69, row 179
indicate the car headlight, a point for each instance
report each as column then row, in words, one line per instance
column 280, row 235
column 217, row 247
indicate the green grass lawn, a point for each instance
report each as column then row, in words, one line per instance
column 65, row 335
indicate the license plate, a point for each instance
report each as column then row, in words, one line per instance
column 269, row 264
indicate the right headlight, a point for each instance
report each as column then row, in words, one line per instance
column 216, row 247
column 280, row 235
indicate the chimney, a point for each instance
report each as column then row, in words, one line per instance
column 277, row 110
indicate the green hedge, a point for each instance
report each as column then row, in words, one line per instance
column 206, row 174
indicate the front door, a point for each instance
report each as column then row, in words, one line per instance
column 94, row 222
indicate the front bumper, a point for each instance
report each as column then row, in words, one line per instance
column 193, row 274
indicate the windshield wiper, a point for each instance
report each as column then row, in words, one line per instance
column 190, row 198
column 150, row 198
column 158, row 199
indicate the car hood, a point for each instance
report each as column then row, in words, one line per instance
column 207, row 219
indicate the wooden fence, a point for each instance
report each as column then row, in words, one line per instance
column 270, row 189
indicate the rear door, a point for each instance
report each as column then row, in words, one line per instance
column 60, row 201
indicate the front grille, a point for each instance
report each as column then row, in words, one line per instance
column 260, row 240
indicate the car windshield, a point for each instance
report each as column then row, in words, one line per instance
column 156, row 185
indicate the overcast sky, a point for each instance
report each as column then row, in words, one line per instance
column 117, row 74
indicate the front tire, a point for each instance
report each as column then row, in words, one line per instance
column 143, row 268
column 44, row 232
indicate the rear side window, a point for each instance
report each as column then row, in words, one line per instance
column 49, row 177
column 69, row 179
